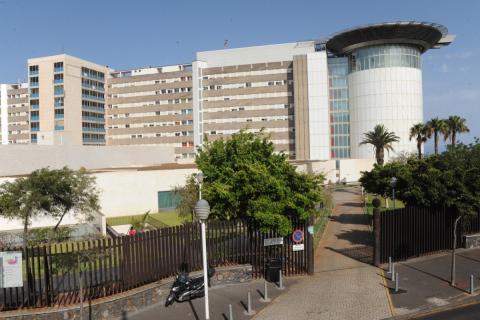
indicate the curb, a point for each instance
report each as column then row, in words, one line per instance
column 456, row 303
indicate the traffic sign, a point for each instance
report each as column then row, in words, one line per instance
column 297, row 236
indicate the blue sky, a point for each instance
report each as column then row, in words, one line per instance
column 127, row 34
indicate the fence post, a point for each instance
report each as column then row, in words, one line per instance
column 310, row 248
column 376, row 232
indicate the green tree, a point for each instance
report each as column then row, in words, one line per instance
column 420, row 133
column 381, row 139
column 435, row 127
column 188, row 197
column 245, row 178
column 51, row 193
column 454, row 125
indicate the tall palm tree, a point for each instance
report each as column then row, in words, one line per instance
column 455, row 124
column 420, row 133
column 381, row 139
column 436, row 126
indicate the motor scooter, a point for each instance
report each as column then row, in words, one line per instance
column 186, row 288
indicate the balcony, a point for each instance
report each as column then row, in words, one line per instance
column 90, row 97
column 33, row 84
column 58, row 93
column 34, row 106
column 34, row 95
column 58, row 105
column 94, row 119
column 93, row 140
column 86, row 129
column 59, row 116
column 34, row 118
column 33, row 72
column 99, row 109
column 59, row 128
column 90, row 87
column 35, row 129
column 58, row 69
column 58, row 81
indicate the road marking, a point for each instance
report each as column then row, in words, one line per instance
column 387, row 292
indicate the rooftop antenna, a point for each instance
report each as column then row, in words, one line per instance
column 225, row 43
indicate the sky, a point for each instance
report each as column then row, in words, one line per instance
column 129, row 34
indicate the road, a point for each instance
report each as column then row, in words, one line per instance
column 470, row 312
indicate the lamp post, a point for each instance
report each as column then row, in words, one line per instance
column 199, row 178
column 393, row 183
column 202, row 210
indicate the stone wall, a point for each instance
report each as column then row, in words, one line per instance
column 129, row 301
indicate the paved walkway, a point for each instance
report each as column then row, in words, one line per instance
column 343, row 287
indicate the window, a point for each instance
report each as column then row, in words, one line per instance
column 33, row 70
column 248, row 84
column 167, row 200
column 58, row 67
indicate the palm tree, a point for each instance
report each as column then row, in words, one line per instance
column 436, row 126
column 455, row 124
column 420, row 133
column 381, row 139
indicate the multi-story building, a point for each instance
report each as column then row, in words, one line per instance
column 315, row 99
column 14, row 116
column 151, row 106
column 67, row 94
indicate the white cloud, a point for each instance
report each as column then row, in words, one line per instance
column 459, row 55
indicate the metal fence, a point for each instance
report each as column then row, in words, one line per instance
column 411, row 232
column 52, row 273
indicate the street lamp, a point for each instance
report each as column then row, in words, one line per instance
column 393, row 183
column 199, row 178
column 202, row 210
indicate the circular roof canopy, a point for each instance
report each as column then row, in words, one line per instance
column 422, row 34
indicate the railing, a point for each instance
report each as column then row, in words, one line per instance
column 59, row 116
column 34, row 95
column 34, row 106
column 111, row 266
column 95, row 119
column 90, row 97
column 93, row 108
column 33, row 84
column 93, row 129
column 34, row 118
column 58, row 69
column 34, row 129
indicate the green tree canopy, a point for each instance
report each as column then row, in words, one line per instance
column 47, row 192
column 245, row 178
column 448, row 180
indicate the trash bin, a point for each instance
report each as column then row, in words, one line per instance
column 272, row 270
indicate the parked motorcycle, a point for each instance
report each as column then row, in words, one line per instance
column 186, row 288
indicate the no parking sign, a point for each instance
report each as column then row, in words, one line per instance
column 298, row 236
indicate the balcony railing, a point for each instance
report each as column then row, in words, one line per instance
column 93, row 129
column 95, row 119
column 58, row 81
column 59, row 116
column 34, row 106
column 93, row 108
column 34, row 118
column 35, row 129
column 90, row 87
column 33, row 84
column 34, row 95
column 58, row 69
column 59, row 128
column 90, row 97
column 59, row 93
column 33, row 72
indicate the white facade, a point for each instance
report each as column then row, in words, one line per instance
column 4, row 112
column 319, row 124
column 389, row 96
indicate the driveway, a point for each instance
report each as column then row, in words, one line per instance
column 343, row 286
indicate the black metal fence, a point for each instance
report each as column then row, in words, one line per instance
column 411, row 232
column 53, row 273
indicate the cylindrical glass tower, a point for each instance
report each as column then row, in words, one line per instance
column 385, row 78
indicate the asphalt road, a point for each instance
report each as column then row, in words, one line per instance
column 471, row 312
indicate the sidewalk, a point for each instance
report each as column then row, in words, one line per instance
column 342, row 287
column 425, row 282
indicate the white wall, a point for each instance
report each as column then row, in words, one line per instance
column 389, row 96
column 351, row 169
column 318, row 110
column 135, row 192
column 23, row 159
column 197, row 67
column 258, row 54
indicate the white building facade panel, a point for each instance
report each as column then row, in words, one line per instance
column 4, row 112
column 317, row 73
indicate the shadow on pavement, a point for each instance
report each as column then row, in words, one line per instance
column 195, row 314
column 361, row 237
column 350, row 218
column 363, row 254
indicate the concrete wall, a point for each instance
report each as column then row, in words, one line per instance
column 135, row 192
column 348, row 170
column 23, row 159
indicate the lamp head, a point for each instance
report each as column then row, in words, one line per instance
column 393, row 182
column 202, row 209
column 199, row 177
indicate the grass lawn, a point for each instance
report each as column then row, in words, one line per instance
column 170, row 218
column 398, row 203
column 320, row 224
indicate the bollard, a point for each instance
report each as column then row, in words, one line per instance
column 230, row 312
column 389, row 265
column 250, row 311
column 280, row 281
column 471, row 284
column 265, row 293
column 393, row 272
column 396, row 282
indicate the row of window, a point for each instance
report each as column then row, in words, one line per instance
column 86, row 72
